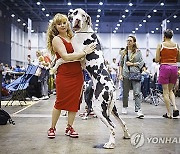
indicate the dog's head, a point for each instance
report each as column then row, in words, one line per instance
column 80, row 19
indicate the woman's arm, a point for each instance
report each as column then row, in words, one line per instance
column 157, row 59
column 59, row 47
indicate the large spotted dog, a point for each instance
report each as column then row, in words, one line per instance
column 104, row 90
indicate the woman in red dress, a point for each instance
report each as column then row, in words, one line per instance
column 69, row 77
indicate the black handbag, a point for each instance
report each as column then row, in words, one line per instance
column 135, row 76
column 5, row 117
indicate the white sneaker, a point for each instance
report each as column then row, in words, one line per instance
column 35, row 98
column 140, row 114
column 124, row 110
column 46, row 97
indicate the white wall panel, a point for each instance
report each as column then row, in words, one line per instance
column 111, row 43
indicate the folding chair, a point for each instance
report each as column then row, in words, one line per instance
column 18, row 87
column 154, row 93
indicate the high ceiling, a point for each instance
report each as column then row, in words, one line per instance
column 119, row 14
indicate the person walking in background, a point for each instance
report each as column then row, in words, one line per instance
column 121, row 51
column 69, row 76
column 131, row 62
column 168, row 54
column 114, row 71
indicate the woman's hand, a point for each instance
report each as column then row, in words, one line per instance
column 128, row 63
column 90, row 48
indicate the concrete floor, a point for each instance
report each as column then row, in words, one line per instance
column 29, row 135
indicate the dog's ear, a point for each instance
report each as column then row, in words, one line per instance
column 70, row 15
column 88, row 20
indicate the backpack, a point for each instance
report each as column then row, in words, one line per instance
column 5, row 117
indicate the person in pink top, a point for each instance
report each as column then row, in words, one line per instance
column 168, row 54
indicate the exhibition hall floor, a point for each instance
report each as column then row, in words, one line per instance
column 154, row 134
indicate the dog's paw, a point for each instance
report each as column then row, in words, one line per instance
column 126, row 135
column 109, row 145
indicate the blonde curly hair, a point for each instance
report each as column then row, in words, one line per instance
column 52, row 31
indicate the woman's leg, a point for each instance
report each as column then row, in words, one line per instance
column 137, row 95
column 166, row 95
column 172, row 96
column 126, row 88
column 55, row 116
column 71, row 117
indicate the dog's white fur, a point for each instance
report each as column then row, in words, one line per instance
column 104, row 90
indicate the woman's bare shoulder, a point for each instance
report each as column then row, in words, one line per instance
column 56, row 39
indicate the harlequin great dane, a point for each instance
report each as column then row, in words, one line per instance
column 104, row 96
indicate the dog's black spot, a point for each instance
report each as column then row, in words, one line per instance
column 104, row 113
column 92, row 71
column 94, row 36
column 98, row 45
column 107, row 78
column 76, row 12
column 99, row 88
column 88, row 41
column 106, row 87
column 106, row 96
column 92, row 56
column 114, row 110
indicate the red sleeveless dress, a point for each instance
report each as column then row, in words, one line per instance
column 69, row 82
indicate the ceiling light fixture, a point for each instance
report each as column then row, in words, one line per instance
column 126, row 10
column 152, row 32
column 120, row 21
column 123, row 16
column 177, row 28
column 99, row 10
column 149, row 16
column 175, row 16
column 18, row 20
column 144, row 20
column 154, row 10
column 43, row 9
column 38, row 3
column 69, row 3
column 13, row 15
column 100, row 3
column 47, row 15
column 162, row 4
column 98, row 16
column 130, row 4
